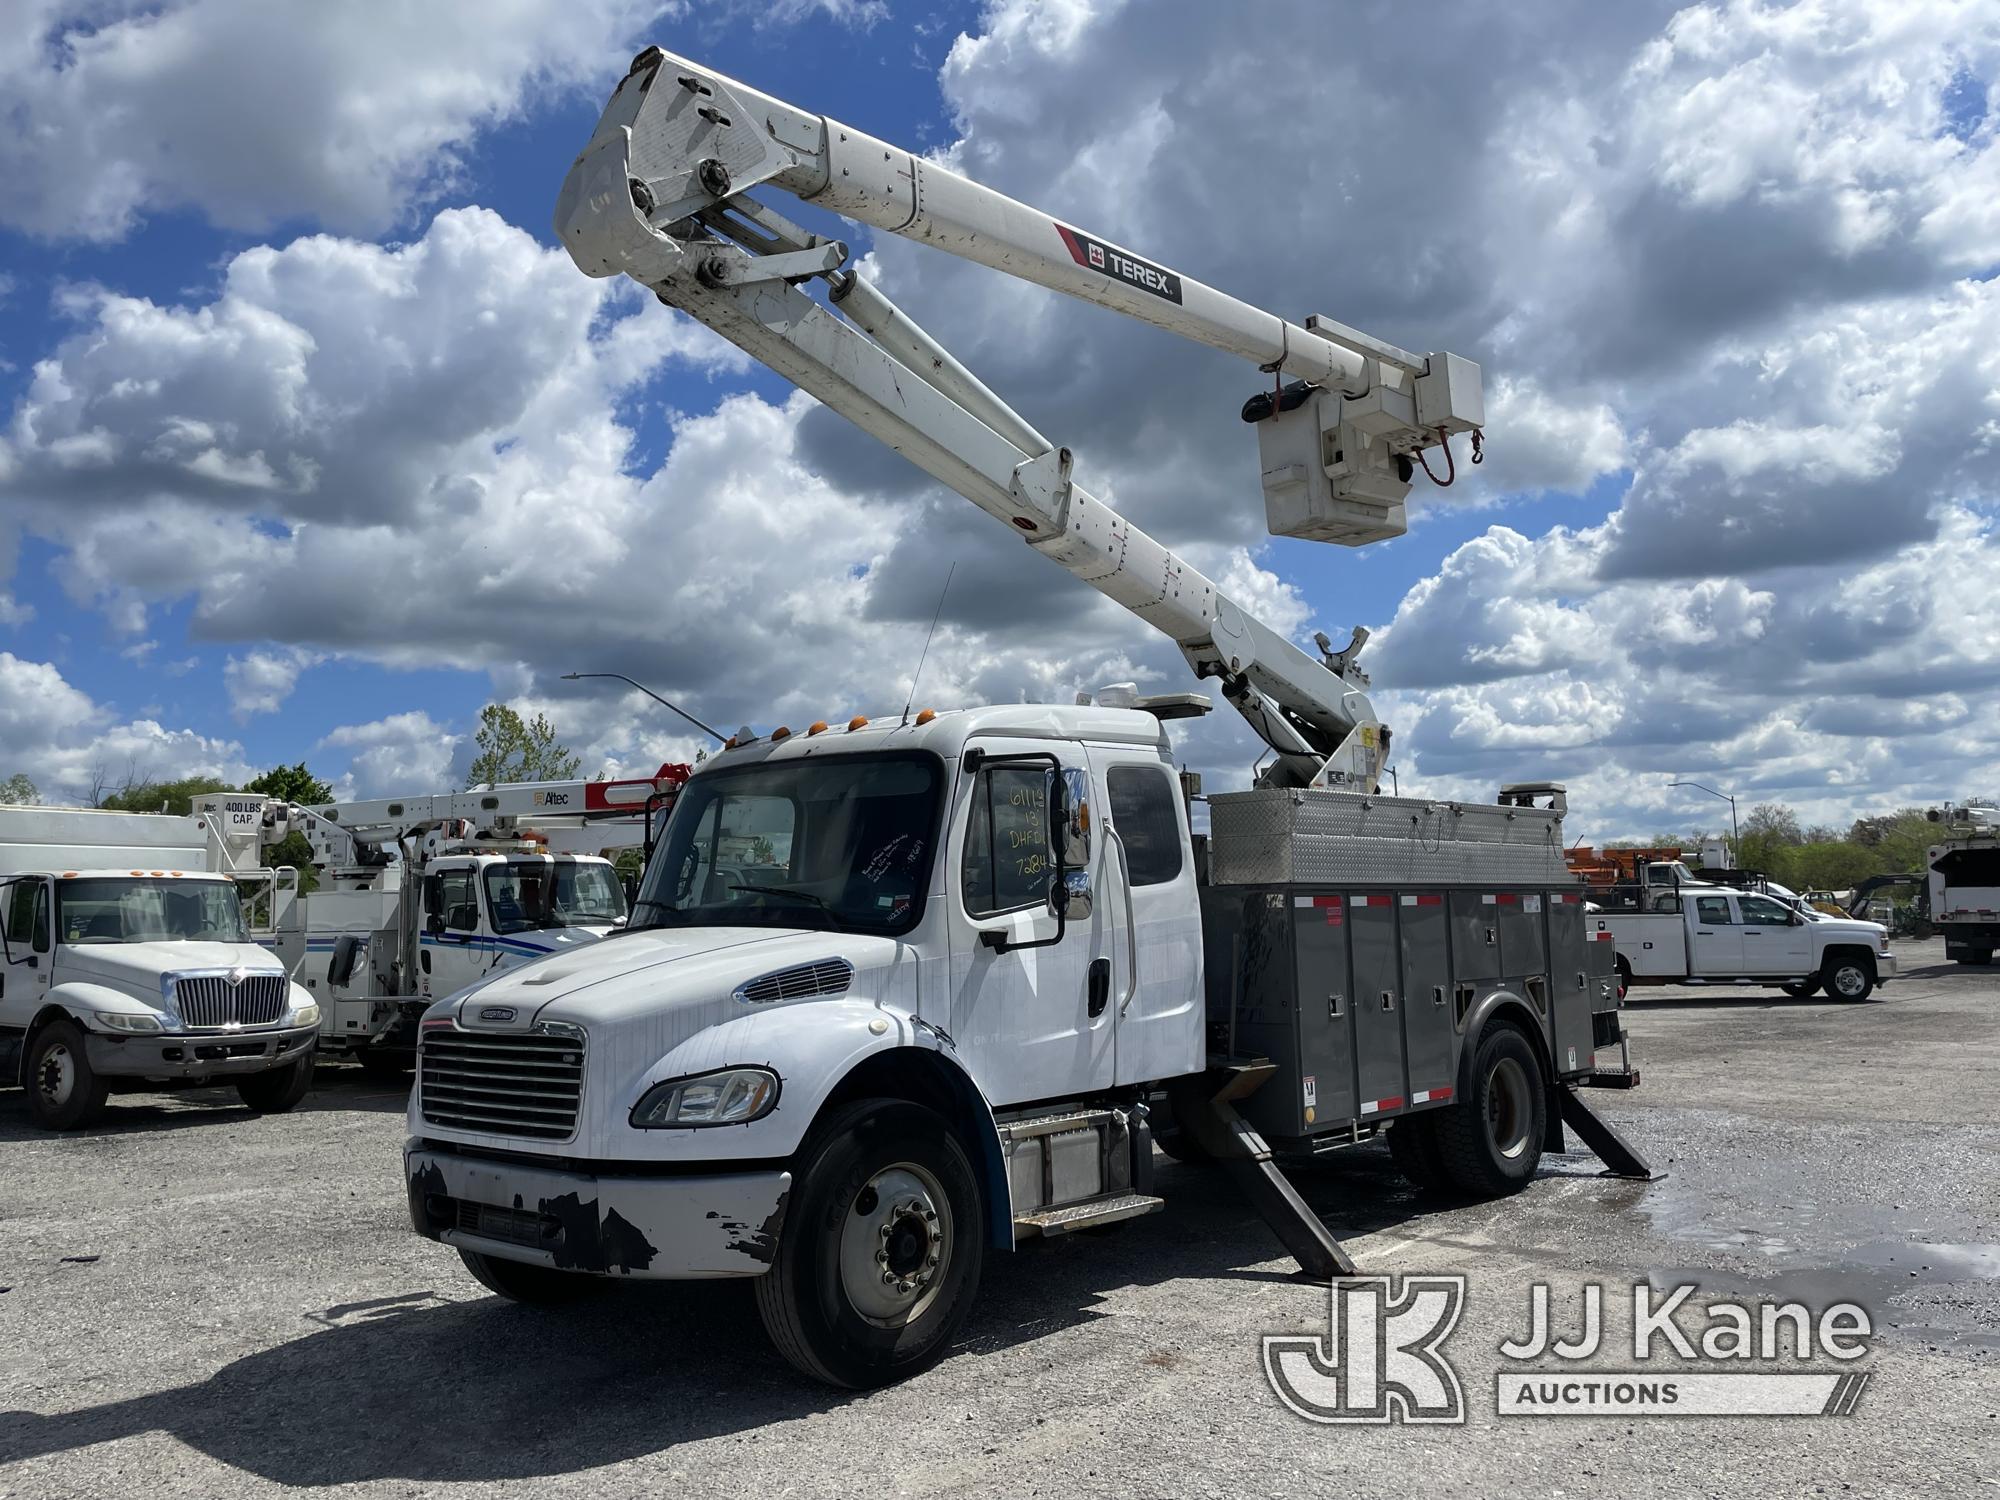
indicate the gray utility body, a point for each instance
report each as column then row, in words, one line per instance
column 1362, row 944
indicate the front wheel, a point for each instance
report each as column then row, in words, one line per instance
column 64, row 1091
column 880, row 1256
column 276, row 1090
column 1491, row 1140
column 1848, row 978
column 1801, row 989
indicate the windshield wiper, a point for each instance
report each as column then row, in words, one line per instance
column 838, row 919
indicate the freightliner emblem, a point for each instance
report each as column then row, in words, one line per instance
column 497, row 1013
column 1095, row 255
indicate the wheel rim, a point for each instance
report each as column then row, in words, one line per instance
column 895, row 1245
column 55, row 1076
column 1508, row 1110
column 1849, row 981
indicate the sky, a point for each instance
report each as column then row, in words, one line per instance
column 312, row 443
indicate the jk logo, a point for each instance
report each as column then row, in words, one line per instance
column 1380, row 1360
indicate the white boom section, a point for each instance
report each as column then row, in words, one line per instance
column 657, row 195
column 339, row 830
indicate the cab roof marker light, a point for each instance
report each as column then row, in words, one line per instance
column 782, row 732
column 818, row 726
column 926, row 716
column 859, row 721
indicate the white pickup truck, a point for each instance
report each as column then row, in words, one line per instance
column 1711, row 934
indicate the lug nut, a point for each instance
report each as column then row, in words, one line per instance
column 888, row 1278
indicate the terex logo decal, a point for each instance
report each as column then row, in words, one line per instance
column 1097, row 256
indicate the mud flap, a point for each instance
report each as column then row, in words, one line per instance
column 1620, row 1157
column 1204, row 1107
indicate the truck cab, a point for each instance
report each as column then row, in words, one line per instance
column 1695, row 933
column 120, row 975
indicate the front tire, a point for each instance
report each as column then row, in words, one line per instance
column 64, row 1091
column 276, row 1090
column 535, row 1286
column 1848, row 978
column 1491, row 1140
column 879, row 1259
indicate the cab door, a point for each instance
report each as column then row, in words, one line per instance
column 1153, row 914
column 455, row 940
column 1032, row 1008
column 28, row 952
column 1772, row 943
column 1715, row 941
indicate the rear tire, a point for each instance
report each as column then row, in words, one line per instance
column 1413, row 1146
column 277, row 1090
column 535, row 1286
column 385, row 1065
column 1491, row 1140
column 879, row 1259
column 64, row 1091
column 1802, row 989
column 1981, row 958
column 1848, row 978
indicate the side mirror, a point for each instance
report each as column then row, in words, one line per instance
column 1069, row 896
column 433, row 895
column 1069, row 819
column 346, row 953
column 434, row 925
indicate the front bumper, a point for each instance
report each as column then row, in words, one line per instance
column 196, row 1054
column 678, row 1227
column 1885, row 967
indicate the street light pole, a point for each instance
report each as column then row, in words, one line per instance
column 1735, row 834
column 621, row 677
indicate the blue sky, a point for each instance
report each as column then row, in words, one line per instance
column 1735, row 314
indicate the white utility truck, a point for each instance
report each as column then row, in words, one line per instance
column 899, row 993
column 418, row 897
column 125, row 958
column 1672, row 927
column 1964, row 878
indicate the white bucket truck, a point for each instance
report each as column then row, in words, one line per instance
column 421, row 896
column 902, row 993
column 125, row 959
column 1962, row 878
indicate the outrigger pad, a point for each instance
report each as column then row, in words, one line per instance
column 1203, row 1108
column 1620, row 1156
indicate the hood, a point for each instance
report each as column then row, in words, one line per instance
column 1874, row 934
column 640, row 974
column 137, row 967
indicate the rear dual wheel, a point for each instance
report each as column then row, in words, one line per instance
column 1490, row 1142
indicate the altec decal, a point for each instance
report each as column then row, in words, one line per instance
column 1095, row 255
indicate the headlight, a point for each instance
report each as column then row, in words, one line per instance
column 119, row 1020
column 733, row 1097
column 305, row 1013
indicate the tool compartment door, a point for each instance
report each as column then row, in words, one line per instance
column 1326, row 1004
column 1570, row 986
column 1378, row 1003
column 1523, row 950
column 1430, row 1027
column 1475, row 936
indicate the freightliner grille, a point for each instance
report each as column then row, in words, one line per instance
column 504, row 1083
column 209, row 1001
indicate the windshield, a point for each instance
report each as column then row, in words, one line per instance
column 149, row 911
column 841, row 842
column 528, row 893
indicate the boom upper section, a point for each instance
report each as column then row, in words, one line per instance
column 660, row 194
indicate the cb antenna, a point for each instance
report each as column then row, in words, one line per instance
column 935, row 617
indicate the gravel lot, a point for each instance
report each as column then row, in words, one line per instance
column 206, row 1304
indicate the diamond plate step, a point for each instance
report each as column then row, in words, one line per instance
column 1086, row 1215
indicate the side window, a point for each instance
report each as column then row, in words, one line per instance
column 1713, row 911
column 1762, row 911
column 460, row 900
column 1006, row 861
column 1142, row 810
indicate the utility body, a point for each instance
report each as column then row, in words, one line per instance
column 898, row 994
column 1964, row 881
column 125, row 959
column 1672, row 927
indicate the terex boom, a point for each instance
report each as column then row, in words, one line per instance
column 898, row 994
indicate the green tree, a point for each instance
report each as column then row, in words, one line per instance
column 514, row 749
column 17, row 790
column 291, row 784
column 1832, row 865
column 1770, row 833
column 1901, row 839
column 149, row 796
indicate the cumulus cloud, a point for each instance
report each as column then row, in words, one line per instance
column 259, row 682
column 68, row 744
column 407, row 752
column 257, row 115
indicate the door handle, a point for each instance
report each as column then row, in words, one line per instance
column 1100, row 986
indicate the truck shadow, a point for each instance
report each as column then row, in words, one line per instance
column 433, row 1390
column 340, row 1087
